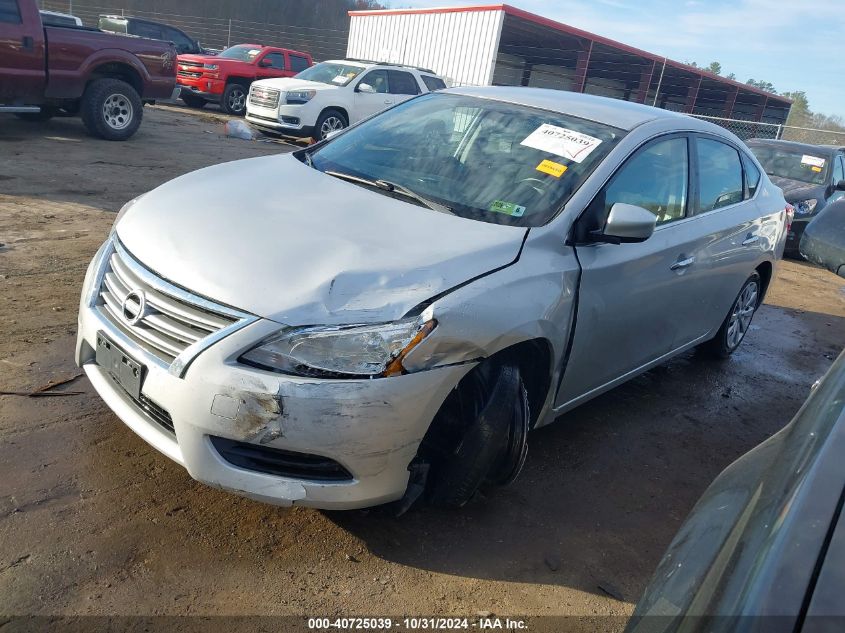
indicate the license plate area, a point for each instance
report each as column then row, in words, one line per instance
column 125, row 371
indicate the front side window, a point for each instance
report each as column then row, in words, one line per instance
column 298, row 63
column 334, row 73
column 656, row 178
column 275, row 60
column 476, row 158
column 10, row 12
column 402, row 83
column 794, row 164
column 377, row 79
column 839, row 170
column 242, row 53
column 719, row 175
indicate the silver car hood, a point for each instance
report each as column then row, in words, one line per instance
column 276, row 238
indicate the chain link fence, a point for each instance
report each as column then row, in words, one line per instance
column 756, row 129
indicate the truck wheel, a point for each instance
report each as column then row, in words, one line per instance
column 329, row 121
column 482, row 435
column 111, row 109
column 45, row 115
column 192, row 101
column 234, row 100
column 737, row 321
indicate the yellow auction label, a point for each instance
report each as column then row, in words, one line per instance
column 551, row 168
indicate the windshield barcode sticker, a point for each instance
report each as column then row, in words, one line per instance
column 562, row 142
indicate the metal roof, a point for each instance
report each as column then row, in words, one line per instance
column 571, row 30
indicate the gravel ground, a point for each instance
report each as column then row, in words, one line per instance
column 94, row 521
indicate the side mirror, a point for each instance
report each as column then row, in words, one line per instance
column 362, row 87
column 264, row 63
column 839, row 186
column 626, row 223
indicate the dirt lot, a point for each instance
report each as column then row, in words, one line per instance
column 93, row 521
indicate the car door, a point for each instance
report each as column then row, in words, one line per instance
column 635, row 300
column 365, row 103
column 22, row 74
column 271, row 64
column 734, row 229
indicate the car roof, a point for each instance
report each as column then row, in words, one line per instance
column 621, row 114
column 364, row 63
column 804, row 147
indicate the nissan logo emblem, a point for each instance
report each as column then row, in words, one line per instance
column 134, row 307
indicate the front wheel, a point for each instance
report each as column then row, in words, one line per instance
column 234, row 100
column 111, row 109
column 330, row 121
column 738, row 320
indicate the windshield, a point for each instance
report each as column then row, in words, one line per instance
column 243, row 53
column 331, row 73
column 481, row 159
column 794, row 164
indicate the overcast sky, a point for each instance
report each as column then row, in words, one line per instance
column 796, row 45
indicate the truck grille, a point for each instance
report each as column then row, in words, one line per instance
column 264, row 97
column 163, row 320
column 189, row 74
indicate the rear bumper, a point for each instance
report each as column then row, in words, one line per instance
column 162, row 88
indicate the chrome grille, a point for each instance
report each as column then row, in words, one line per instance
column 264, row 97
column 168, row 323
column 188, row 73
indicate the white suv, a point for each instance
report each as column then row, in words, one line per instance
column 333, row 95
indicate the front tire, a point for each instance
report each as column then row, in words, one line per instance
column 234, row 99
column 192, row 101
column 111, row 109
column 330, row 121
column 484, row 434
column 738, row 320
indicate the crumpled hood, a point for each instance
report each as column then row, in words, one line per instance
column 795, row 190
column 276, row 238
column 292, row 83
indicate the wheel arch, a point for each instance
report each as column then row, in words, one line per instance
column 339, row 109
column 118, row 70
column 766, row 271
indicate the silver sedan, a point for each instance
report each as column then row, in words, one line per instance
column 386, row 314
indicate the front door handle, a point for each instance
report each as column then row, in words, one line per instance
column 682, row 263
column 750, row 239
column 27, row 43
column 388, row 102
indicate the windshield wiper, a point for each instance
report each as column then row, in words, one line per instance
column 392, row 187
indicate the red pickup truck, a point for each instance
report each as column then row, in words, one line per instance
column 225, row 78
column 104, row 78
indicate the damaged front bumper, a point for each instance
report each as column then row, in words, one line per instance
column 226, row 422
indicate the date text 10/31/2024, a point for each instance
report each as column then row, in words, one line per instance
column 416, row 624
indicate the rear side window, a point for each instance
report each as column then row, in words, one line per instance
column 402, row 83
column 752, row 176
column 276, row 60
column 298, row 63
column 433, row 83
column 719, row 175
column 182, row 42
column 656, row 178
column 142, row 29
column 9, row 11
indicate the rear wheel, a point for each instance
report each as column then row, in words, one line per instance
column 738, row 320
column 192, row 101
column 479, row 436
column 234, row 99
column 111, row 109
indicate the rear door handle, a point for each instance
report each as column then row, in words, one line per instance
column 27, row 43
column 750, row 239
column 682, row 263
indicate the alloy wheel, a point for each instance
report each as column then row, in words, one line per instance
column 741, row 314
column 331, row 124
column 117, row 111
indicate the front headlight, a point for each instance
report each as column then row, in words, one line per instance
column 211, row 66
column 341, row 352
column 805, row 207
column 300, row 96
